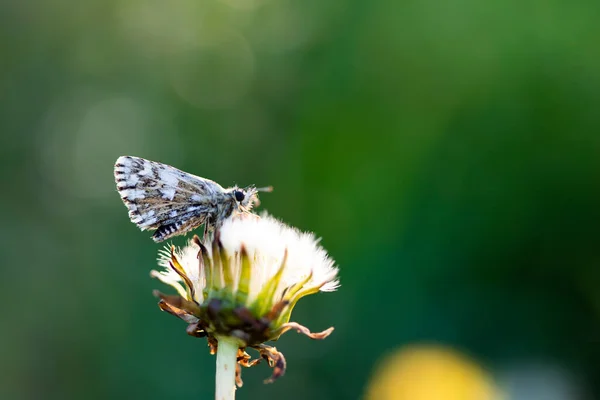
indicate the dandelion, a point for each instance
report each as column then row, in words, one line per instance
column 239, row 288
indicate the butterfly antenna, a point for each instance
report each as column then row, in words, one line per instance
column 265, row 189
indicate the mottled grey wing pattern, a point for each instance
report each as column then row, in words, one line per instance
column 163, row 198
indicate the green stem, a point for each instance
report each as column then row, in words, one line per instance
column 226, row 364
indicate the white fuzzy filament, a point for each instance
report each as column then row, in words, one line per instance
column 266, row 241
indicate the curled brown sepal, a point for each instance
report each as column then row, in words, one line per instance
column 196, row 330
column 243, row 360
column 275, row 359
column 213, row 344
column 178, row 306
column 304, row 330
column 238, row 376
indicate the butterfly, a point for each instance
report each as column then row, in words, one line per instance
column 172, row 202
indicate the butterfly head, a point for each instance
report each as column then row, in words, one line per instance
column 248, row 197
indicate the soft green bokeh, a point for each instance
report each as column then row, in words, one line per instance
column 447, row 152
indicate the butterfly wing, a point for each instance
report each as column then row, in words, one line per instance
column 163, row 198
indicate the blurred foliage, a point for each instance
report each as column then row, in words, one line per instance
column 447, row 153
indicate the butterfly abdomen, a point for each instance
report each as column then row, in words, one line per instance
column 165, row 231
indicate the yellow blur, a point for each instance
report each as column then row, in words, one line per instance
column 430, row 373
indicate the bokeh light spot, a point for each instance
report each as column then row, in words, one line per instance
column 85, row 133
column 430, row 372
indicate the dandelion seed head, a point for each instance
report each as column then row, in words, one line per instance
column 266, row 240
column 244, row 282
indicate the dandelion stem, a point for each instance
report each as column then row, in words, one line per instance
column 226, row 363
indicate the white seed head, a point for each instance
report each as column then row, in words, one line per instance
column 244, row 283
column 266, row 241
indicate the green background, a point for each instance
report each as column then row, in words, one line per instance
column 446, row 152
